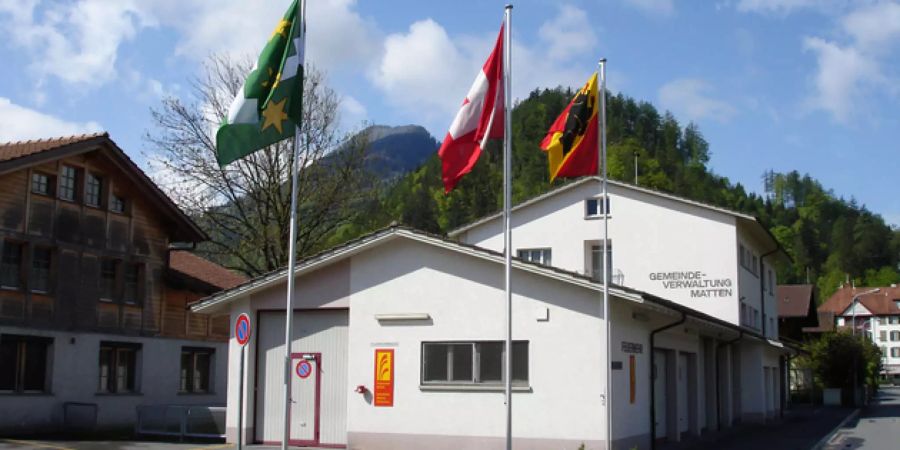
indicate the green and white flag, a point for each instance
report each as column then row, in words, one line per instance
column 267, row 109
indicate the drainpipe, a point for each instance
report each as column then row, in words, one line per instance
column 719, row 345
column 652, row 381
column 762, row 290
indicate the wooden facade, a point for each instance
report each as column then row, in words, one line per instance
column 108, row 236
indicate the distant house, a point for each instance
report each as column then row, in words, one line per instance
column 875, row 313
column 92, row 295
column 796, row 309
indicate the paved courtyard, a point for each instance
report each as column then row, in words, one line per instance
column 877, row 428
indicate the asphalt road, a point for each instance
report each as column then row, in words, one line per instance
column 878, row 427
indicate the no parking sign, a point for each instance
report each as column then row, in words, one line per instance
column 242, row 329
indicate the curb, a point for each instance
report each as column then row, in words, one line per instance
column 825, row 440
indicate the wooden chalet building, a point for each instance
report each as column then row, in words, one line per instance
column 94, row 283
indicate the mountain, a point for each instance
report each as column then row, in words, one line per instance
column 394, row 151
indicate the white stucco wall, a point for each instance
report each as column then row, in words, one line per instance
column 650, row 235
column 74, row 374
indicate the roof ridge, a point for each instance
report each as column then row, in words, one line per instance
column 79, row 137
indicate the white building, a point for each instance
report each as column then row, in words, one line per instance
column 876, row 313
column 438, row 305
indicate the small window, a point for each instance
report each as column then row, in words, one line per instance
column 92, row 190
column 118, row 365
column 11, row 265
column 23, row 364
column 41, row 183
column 771, row 282
column 472, row 362
column 41, row 260
column 108, row 289
column 593, row 207
column 754, row 268
column 536, row 255
column 195, row 370
column 67, row 178
column 131, row 292
column 755, row 318
column 895, row 336
column 895, row 352
column 116, row 204
column 882, row 336
column 597, row 262
column 895, row 320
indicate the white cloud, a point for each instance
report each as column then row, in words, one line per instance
column 691, row 99
column 775, row 6
column 842, row 76
column 655, row 7
column 427, row 72
column 874, row 26
column 76, row 42
column 352, row 112
column 20, row 123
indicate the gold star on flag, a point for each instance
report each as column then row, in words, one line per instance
column 274, row 115
column 281, row 29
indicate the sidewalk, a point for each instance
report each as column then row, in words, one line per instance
column 799, row 429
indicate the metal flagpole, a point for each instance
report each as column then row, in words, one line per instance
column 607, row 398
column 507, row 200
column 292, row 254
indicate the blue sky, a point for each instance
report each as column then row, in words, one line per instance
column 810, row 85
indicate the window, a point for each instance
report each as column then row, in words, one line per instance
column 67, row 183
column 23, row 364
column 116, row 204
column 41, row 183
column 895, row 336
column 882, row 336
column 755, row 318
column 840, row 321
column 108, row 279
column 596, row 262
column 472, row 362
column 895, row 320
column 537, row 255
column 92, row 189
column 195, row 370
column 748, row 260
column 11, row 265
column 753, row 268
column 881, row 321
column 594, row 207
column 744, row 320
column 132, row 284
column 40, row 270
column 118, row 365
column 742, row 255
column 771, row 282
column 895, row 352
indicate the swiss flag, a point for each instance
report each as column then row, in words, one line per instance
column 480, row 118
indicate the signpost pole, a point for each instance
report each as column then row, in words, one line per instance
column 240, row 426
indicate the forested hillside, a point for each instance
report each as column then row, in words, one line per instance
column 828, row 237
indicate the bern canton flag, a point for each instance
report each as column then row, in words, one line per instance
column 267, row 109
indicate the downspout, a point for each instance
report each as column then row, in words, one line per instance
column 719, row 345
column 652, row 380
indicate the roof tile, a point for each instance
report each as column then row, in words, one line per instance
column 204, row 270
column 14, row 150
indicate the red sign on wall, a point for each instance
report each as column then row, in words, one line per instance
column 384, row 377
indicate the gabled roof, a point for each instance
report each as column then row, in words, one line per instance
column 793, row 300
column 742, row 217
column 882, row 303
column 204, row 270
column 389, row 234
column 18, row 155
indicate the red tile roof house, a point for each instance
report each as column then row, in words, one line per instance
column 876, row 313
column 796, row 310
column 93, row 318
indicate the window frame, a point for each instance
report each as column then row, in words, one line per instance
column 895, row 352
column 114, row 203
column 600, row 212
column 545, row 255
column 62, row 185
column 596, row 247
column 49, row 187
column 90, row 194
column 190, row 380
column 21, row 343
column 20, row 276
column 32, row 269
column 116, row 294
column 108, row 383
column 125, row 269
column 895, row 336
column 476, row 364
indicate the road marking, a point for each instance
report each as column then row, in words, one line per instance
column 37, row 444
